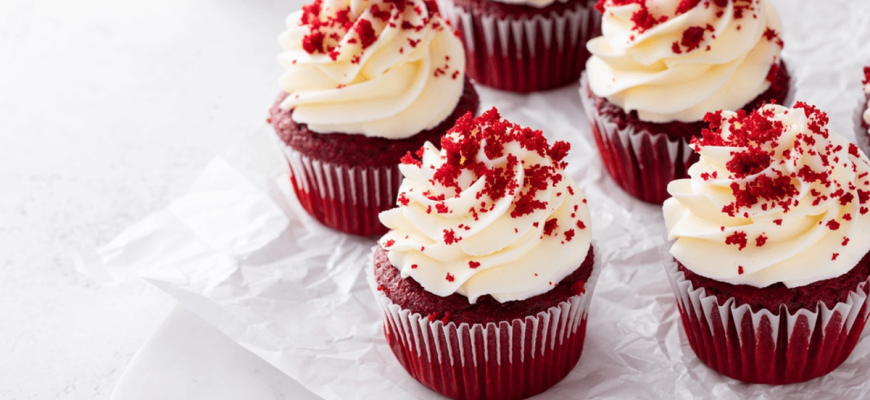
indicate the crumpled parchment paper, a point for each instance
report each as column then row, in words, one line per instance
column 239, row 251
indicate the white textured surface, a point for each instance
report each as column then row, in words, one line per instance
column 108, row 110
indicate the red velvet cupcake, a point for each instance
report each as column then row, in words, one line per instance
column 524, row 45
column 485, row 277
column 365, row 82
column 771, row 263
column 660, row 67
column 862, row 115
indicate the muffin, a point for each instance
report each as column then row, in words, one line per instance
column 660, row 66
column 862, row 115
column 485, row 277
column 771, row 258
column 524, row 45
column 365, row 82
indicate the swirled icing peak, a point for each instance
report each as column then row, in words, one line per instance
column 493, row 213
column 679, row 59
column 385, row 68
column 775, row 197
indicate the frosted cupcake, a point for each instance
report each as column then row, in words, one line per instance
column 486, row 275
column 365, row 82
column 524, row 45
column 770, row 260
column 660, row 66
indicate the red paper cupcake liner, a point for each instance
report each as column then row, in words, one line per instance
column 762, row 347
column 525, row 53
column 862, row 130
column 508, row 360
column 344, row 198
column 640, row 162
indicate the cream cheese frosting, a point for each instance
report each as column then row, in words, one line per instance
column 775, row 197
column 676, row 60
column 492, row 213
column 378, row 68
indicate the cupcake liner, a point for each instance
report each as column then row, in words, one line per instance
column 862, row 136
column 524, row 54
column 640, row 162
column 762, row 347
column 508, row 360
column 345, row 198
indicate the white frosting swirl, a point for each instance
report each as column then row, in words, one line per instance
column 701, row 60
column 812, row 193
column 512, row 226
column 376, row 70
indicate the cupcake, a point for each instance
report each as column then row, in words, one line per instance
column 366, row 81
column 485, row 277
column 524, row 45
column 660, row 66
column 771, row 258
column 862, row 115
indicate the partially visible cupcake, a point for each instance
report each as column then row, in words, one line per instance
column 862, row 115
column 660, row 66
column 485, row 277
column 771, row 263
column 524, row 45
column 366, row 81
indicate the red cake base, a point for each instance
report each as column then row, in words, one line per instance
column 344, row 181
column 522, row 48
column 487, row 350
column 643, row 157
column 772, row 335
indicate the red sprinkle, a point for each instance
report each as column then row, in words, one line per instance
column 738, row 238
column 739, row 270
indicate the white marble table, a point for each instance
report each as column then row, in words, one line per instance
column 108, row 110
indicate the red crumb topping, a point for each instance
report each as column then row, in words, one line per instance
column 473, row 264
column 686, row 5
column 389, row 243
column 834, row 256
column 569, row 235
column 490, row 133
column 739, row 270
column 760, row 240
column 866, row 75
column 450, row 237
column 550, row 226
column 738, row 238
column 845, row 241
column 833, row 225
column 692, row 38
column 449, row 277
column 413, row 266
column 778, row 221
column 580, row 224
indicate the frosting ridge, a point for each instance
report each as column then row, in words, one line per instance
column 775, row 197
column 493, row 213
column 673, row 60
column 373, row 67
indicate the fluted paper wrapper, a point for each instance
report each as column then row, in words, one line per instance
column 640, row 162
column 508, row 360
column 240, row 252
column 342, row 197
column 525, row 54
column 765, row 346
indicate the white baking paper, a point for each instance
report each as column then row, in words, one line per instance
column 240, row 252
